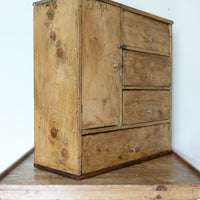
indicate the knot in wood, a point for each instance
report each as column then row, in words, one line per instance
column 54, row 132
column 60, row 52
column 50, row 14
column 161, row 188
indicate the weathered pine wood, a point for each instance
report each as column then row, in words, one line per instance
column 130, row 87
column 141, row 69
column 101, row 62
column 145, row 106
column 122, row 127
column 86, row 85
column 99, row 192
column 56, row 53
column 167, row 170
column 145, row 34
column 108, row 149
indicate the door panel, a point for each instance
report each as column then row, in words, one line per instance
column 101, row 66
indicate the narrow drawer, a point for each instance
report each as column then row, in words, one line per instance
column 145, row 33
column 142, row 69
column 109, row 149
column 145, row 106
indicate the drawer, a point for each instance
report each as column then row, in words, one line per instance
column 144, row 33
column 145, row 106
column 113, row 148
column 142, row 69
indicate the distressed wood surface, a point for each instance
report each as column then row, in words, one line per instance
column 99, row 192
column 56, row 66
column 145, row 34
column 101, row 62
column 113, row 148
column 145, row 106
column 141, row 69
column 167, row 170
column 122, row 127
column 163, row 178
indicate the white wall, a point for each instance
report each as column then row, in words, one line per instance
column 16, row 81
column 186, row 94
column 16, row 71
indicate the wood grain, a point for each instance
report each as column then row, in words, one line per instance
column 101, row 62
column 167, row 170
column 122, row 127
column 56, row 66
column 141, row 69
column 144, row 33
column 97, row 192
column 145, row 106
column 108, row 149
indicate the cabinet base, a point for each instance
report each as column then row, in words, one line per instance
column 95, row 173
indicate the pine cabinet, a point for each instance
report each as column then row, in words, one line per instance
column 102, row 86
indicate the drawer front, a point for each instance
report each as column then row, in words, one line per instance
column 145, row 33
column 108, row 149
column 145, row 106
column 141, row 69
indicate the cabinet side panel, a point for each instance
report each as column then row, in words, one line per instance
column 56, row 68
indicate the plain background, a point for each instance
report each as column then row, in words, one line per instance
column 16, row 76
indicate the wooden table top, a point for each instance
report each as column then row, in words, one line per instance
column 151, row 178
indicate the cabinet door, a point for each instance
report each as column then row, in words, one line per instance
column 101, row 64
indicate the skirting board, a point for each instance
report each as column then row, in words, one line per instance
column 5, row 172
column 95, row 173
column 186, row 162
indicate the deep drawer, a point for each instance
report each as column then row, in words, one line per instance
column 145, row 33
column 142, row 69
column 108, row 149
column 145, row 106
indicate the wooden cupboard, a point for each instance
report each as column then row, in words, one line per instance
column 102, row 74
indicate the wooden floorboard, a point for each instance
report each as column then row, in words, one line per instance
column 167, row 177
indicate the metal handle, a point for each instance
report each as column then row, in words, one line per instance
column 149, row 39
column 150, row 111
column 134, row 149
column 150, row 74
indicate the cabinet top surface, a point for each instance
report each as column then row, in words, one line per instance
column 130, row 9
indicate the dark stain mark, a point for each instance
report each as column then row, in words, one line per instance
column 161, row 188
column 158, row 197
column 107, row 150
column 53, row 36
column 98, row 149
column 64, row 153
column 54, row 132
column 120, row 157
column 58, row 44
column 104, row 101
column 59, row 52
column 160, row 113
column 50, row 14
column 147, row 136
column 53, row 3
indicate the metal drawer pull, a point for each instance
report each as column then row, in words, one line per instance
column 116, row 64
column 149, row 39
column 150, row 75
column 150, row 111
column 134, row 149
